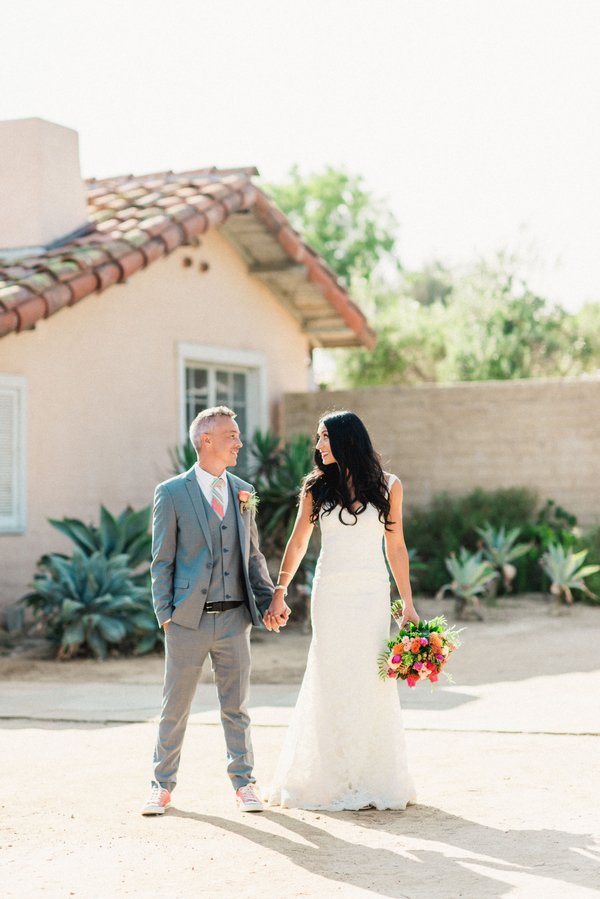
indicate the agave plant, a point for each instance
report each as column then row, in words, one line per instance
column 89, row 603
column 471, row 575
column 567, row 572
column 278, row 490
column 182, row 457
column 500, row 547
column 124, row 534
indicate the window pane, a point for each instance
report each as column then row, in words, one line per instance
column 200, row 378
column 223, row 387
column 197, row 391
column 239, row 387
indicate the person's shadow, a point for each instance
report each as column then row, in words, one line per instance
column 464, row 857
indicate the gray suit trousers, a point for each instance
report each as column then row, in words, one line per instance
column 226, row 638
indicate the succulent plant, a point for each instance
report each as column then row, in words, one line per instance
column 471, row 575
column 500, row 547
column 567, row 572
column 89, row 603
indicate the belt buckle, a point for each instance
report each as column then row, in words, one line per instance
column 212, row 611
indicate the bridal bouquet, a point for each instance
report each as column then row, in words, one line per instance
column 418, row 651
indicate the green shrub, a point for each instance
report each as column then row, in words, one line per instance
column 450, row 522
column 88, row 604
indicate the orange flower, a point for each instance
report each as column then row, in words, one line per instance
column 435, row 641
column 397, row 648
column 415, row 646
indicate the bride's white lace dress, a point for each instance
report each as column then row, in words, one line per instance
column 345, row 745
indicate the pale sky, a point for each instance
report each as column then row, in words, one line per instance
column 477, row 121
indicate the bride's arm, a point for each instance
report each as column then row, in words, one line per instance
column 293, row 555
column 397, row 554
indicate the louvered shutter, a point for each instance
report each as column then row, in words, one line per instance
column 12, row 454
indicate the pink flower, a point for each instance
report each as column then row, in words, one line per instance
column 417, row 666
column 244, row 495
column 431, row 666
column 391, row 673
column 396, row 659
column 424, row 641
column 439, row 657
column 433, row 677
column 411, row 680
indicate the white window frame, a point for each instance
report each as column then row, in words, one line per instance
column 16, row 386
column 254, row 365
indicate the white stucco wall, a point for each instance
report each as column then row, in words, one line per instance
column 103, row 387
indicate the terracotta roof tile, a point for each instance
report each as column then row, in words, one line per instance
column 9, row 321
column 135, row 220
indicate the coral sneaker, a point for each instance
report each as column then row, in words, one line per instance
column 160, row 799
column 248, row 799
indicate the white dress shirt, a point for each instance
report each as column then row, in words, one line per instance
column 206, row 479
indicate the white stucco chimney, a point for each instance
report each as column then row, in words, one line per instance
column 42, row 195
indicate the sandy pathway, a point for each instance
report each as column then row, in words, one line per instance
column 500, row 813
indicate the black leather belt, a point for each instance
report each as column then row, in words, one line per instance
column 213, row 608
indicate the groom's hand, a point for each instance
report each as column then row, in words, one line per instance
column 276, row 617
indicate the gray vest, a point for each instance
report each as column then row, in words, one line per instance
column 227, row 582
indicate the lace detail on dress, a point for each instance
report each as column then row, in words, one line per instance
column 345, row 746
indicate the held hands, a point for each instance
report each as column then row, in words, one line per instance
column 277, row 614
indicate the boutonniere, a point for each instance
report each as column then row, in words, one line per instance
column 248, row 501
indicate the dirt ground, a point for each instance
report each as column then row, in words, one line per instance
column 505, row 760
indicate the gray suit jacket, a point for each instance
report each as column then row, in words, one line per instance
column 182, row 549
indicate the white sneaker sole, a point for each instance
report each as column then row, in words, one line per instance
column 251, row 807
column 155, row 809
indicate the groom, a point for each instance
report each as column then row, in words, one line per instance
column 210, row 584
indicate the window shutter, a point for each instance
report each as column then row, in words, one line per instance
column 11, row 454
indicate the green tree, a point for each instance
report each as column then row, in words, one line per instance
column 341, row 219
column 486, row 324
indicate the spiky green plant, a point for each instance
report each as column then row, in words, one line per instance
column 279, row 487
column 500, row 547
column 471, row 574
column 124, row 534
column 567, row 572
column 89, row 603
column 182, row 457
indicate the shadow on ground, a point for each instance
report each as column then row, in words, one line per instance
column 408, row 870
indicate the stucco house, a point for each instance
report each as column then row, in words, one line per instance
column 127, row 305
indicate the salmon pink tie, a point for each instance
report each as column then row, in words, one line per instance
column 216, row 499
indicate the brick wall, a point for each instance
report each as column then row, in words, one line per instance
column 543, row 434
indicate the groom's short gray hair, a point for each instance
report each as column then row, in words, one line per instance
column 205, row 421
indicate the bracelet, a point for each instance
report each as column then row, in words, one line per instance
column 282, row 587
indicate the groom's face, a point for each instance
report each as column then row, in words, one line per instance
column 223, row 443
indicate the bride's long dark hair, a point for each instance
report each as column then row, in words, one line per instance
column 356, row 475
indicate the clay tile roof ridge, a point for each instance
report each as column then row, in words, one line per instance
column 103, row 259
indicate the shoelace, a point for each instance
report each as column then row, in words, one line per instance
column 156, row 793
column 249, row 792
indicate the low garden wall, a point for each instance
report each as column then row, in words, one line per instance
column 541, row 434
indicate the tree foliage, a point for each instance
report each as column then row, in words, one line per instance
column 341, row 220
column 482, row 323
column 485, row 324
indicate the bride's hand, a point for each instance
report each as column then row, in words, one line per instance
column 409, row 614
column 276, row 616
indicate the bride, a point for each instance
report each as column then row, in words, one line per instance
column 345, row 746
